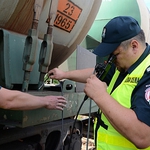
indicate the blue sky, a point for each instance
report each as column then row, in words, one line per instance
column 147, row 3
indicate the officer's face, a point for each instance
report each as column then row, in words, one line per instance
column 123, row 58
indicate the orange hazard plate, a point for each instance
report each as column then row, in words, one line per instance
column 67, row 15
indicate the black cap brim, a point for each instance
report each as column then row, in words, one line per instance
column 105, row 49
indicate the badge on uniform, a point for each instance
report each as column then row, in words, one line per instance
column 147, row 94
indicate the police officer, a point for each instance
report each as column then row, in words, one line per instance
column 124, row 95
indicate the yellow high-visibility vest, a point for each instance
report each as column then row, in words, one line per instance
column 110, row 139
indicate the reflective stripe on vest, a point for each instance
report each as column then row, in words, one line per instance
column 110, row 139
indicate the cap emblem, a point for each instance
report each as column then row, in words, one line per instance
column 104, row 33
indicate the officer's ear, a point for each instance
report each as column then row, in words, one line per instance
column 135, row 45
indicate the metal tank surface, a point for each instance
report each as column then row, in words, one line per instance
column 70, row 20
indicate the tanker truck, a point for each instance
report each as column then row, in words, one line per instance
column 38, row 35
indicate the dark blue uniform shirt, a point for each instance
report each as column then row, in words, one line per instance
column 140, row 99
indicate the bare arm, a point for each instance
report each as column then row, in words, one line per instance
column 123, row 119
column 17, row 100
column 75, row 75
